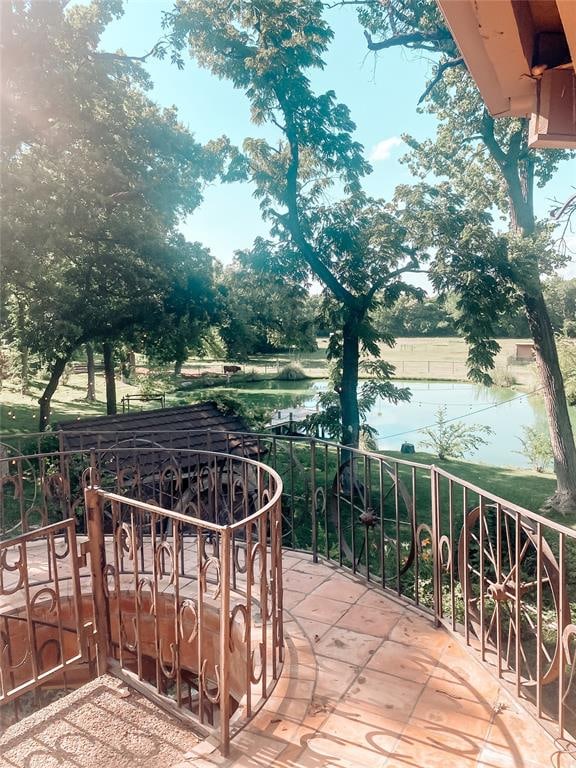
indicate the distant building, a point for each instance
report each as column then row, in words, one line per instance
column 525, row 352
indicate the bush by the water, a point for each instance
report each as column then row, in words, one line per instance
column 503, row 378
column 291, row 372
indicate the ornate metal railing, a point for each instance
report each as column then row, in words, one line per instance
column 43, row 627
column 499, row 576
column 183, row 563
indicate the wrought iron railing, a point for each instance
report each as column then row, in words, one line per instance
column 43, row 627
column 183, row 562
column 499, row 576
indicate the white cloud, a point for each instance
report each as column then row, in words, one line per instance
column 383, row 149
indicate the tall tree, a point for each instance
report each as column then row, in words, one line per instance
column 355, row 248
column 489, row 164
column 95, row 180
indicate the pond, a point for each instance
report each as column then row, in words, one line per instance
column 505, row 411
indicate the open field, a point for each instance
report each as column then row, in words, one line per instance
column 442, row 358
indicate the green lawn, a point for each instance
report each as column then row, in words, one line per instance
column 524, row 487
column 19, row 413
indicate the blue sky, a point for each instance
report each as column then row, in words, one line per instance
column 381, row 93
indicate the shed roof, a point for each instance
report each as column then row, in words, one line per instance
column 201, row 426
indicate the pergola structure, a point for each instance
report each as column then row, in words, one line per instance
column 522, row 55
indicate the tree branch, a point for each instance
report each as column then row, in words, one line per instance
column 339, row 3
column 490, row 140
column 159, row 46
column 438, row 76
column 569, row 205
column 415, row 39
column 292, row 219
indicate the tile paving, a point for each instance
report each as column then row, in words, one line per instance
column 370, row 683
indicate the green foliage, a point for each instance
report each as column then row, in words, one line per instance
column 9, row 363
column 266, row 307
column 95, row 180
column 454, row 439
column 439, row 316
column 355, row 247
column 291, row 372
column 560, row 295
column 536, row 448
column 567, row 356
column 328, row 417
column 503, row 378
column 155, row 383
column 254, row 416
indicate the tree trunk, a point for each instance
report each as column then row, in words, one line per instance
column 46, row 399
column 23, row 348
column 91, row 371
column 24, row 374
column 178, row 367
column 109, row 378
column 517, row 167
column 348, row 392
column 561, row 434
column 131, row 363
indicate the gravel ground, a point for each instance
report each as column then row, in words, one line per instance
column 101, row 725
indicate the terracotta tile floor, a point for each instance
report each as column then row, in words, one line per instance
column 368, row 683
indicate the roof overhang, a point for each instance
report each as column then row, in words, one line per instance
column 522, row 55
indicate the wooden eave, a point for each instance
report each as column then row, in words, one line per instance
column 497, row 39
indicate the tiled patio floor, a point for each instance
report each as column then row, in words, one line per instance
column 368, row 683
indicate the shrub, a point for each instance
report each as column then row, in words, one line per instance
column 254, row 416
column 154, row 384
column 454, row 439
column 536, row 448
column 503, row 378
column 291, row 372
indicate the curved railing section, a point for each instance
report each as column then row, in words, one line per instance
column 176, row 585
column 498, row 575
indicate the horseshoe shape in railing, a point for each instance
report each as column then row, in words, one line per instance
column 568, row 634
column 4, row 664
column 145, row 583
column 17, row 565
column 256, row 679
column 241, row 610
column 163, row 549
column 211, row 561
column 214, row 699
column 169, row 672
column 188, row 605
column 45, row 592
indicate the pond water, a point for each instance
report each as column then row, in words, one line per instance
column 506, row 411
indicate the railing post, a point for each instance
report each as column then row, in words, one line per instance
column 313, row 501
column 436, row 580
column 224, row 651
column 65, row 475
column 97, row 550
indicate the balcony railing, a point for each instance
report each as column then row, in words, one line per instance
column 498, row 576
column 176, row 585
